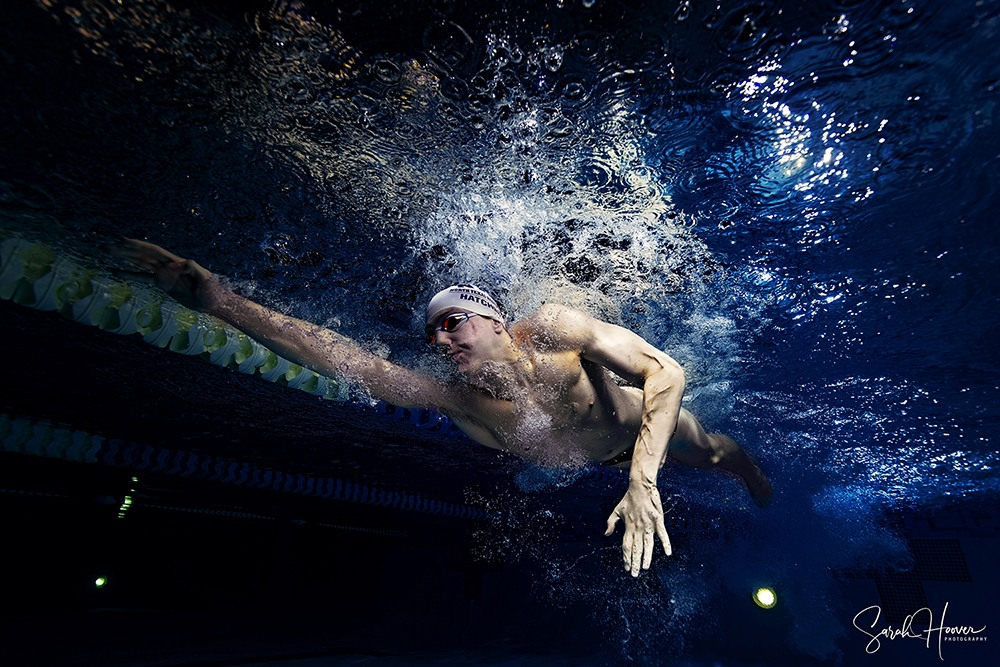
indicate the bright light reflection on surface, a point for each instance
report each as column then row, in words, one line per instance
column 800, row 164
column 765, row 598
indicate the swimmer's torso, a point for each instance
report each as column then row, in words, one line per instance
column 560, row 409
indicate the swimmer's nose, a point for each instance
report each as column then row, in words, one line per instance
column 442, row 341
column 434, row 339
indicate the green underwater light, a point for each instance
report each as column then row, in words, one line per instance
column 765, row 598
column 100, row 582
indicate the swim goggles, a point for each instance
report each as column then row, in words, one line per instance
column 450, row 324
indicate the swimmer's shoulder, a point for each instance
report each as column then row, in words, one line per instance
column 554, row 327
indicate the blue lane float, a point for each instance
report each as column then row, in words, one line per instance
column 39, row 439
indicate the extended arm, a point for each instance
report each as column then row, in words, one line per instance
column 305, row 343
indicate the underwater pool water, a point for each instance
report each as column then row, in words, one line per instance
column 792, row 199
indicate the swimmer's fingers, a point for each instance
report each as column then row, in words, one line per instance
column 149, row 249
column 628, row 547
column 638, row 548
column 641, row 528
column 155, row 259
column 139, row 260
column 183, row 279
column 136, row 276
column 142, row 254
column 163, row 274
column 661, row 530
column 647, row 550
column 626, row 541
column 612, row 522
column 632, row 544
column 654, row 527
column 633, row 547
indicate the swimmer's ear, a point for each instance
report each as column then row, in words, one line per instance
column 497, row 326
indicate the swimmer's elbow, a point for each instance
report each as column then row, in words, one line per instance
column 676, row 375
column 669, row 376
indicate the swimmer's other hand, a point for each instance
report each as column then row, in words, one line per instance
column 183, row 279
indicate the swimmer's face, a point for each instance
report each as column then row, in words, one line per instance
column 465, row 338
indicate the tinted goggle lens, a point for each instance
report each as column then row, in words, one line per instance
column 450, row 323
column 453, row 322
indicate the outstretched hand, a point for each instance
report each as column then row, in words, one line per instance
column 183, row 279
column 642, row 512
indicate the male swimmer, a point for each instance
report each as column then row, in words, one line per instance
column 540, row 388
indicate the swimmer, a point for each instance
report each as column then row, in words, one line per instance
column 540, row 388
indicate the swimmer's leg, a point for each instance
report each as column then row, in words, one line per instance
column 691, row 446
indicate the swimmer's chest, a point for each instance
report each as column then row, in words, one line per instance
column 559, row 388
column 564, row 389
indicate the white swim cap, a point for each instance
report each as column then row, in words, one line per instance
column 466, row 297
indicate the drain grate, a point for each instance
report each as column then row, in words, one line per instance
column 901, row 593
column 939, row 560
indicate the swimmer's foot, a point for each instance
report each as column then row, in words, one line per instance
column 760, row 487
column 735, row 460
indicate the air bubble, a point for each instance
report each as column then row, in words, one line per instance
column 295, row 90
column 386, row 71
column 683, row 12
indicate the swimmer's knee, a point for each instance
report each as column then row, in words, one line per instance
column 724, row 449
column 688, row 429
column 693, row 449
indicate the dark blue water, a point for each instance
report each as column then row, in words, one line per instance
column 795, row 200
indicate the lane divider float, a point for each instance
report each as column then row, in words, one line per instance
column 32, row 275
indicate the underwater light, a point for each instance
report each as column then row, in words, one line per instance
column 100, row 582
column 765, row 598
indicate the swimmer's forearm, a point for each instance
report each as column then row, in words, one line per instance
column 297, row 340
column 327, row 352
column 661, row 406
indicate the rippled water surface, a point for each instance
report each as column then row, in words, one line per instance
column 794, row 199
